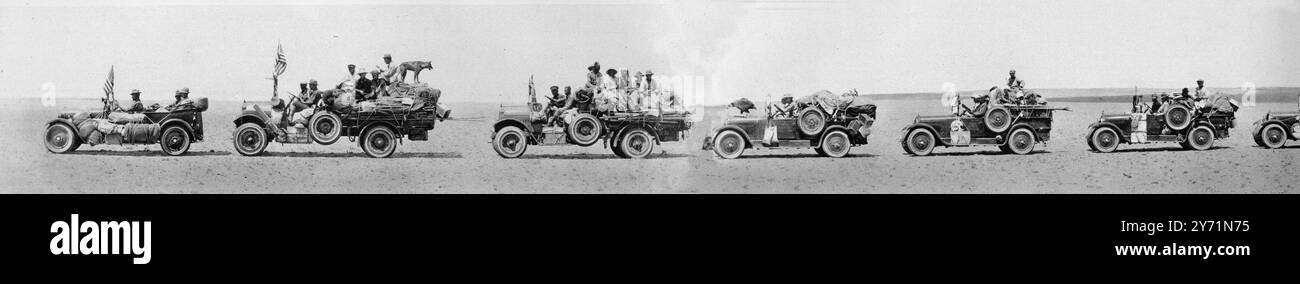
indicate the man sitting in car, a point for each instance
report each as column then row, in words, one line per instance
column 981, row 105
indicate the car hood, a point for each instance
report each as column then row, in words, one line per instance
column 1115, row 117
column 933, row 118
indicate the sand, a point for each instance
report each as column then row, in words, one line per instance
column 459, row 159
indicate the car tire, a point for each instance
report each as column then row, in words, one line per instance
column 920, row 142
column 585, row 130
column 1178, row 117
column 250, row 139
column 1272, row 136
column 1021, row 141
column 175, row 141
column 998, row 119
column 379, row 142
column 637, row 143
column 729, row 144
column 325, row 127
column 812, row 121
column 1200, row 138
column 836, row 144
column 510, row 142
column 1104, row 140
column 61, row 138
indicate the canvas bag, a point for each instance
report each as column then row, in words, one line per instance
column 769, row 134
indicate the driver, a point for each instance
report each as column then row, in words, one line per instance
column 981, row 105
column 786, row 108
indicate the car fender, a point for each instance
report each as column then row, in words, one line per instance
column 1260, row 124
column 61, row 120
column 908, row 130
column 1093, row 127
column 503, row 123
column 822, row 138
column 742, row 132
column 183, row 124
column 254, row 117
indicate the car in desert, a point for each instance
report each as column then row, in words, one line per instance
column 628, row 134
column 173, row 130
column 830, row 128
column 1276, row 128
column 1180, row 121
column 377, row 130
column 1012, row 128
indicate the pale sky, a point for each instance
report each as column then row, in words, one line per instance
column 484, row 51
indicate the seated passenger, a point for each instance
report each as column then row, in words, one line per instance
column 981, row 106
column 786, row 108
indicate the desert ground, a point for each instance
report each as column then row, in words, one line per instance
column 459, row 159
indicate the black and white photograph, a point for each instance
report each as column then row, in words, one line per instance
column 906, row 102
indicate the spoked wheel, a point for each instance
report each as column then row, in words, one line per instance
column 729, row 144
column 836, row 144
column 510, row 142
column 1104, row 140
column 812, row 121
column 175, row 141
column 585, row 130
column 1201, row 138
column 1272, row 137
column 920, row 142
column 324, row 127
column 60, row 138
column 379, row 142
column 637, row 144
column 997, row 119
column 1178, row 117
column 1022, row 141
column 250, row 139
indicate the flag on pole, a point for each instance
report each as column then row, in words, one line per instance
column 108, row 84
column 280, row 62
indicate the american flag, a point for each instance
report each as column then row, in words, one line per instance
column 280, row 62
column 108, row 84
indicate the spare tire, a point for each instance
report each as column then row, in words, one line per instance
column 324, row 127
column 997, row 119
column 812, row 121
column 585, row 129
column 1178, row 117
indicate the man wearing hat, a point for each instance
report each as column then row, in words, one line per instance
column 365, row 86
column 1201, row 94
column 136, row 105
column 182, row 99
column 786, row 107
column 388, row 65
column 593, row 77
column 352, row 77
column 981, row 105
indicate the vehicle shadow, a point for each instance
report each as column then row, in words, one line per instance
column 799, row 156
column 981, row 153
column 398, row 155
column 596, row 156
column 145, row 153
column 1174, row 148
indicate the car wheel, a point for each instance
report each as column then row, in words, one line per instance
column 585, row 130
column 1021, row 142
column 1178, row 117
column 920, row 142
column 637, row 143
column 250, row 139
column 510, row 142
column 60, row 138
column 175, row 141
column 998, row 119
column 812, row 121
column 1272, row 136
column 729, row 144
column 836, row 144
column 1104, row 140
column 1201, row 138
column 379, row 142
column 325, row 127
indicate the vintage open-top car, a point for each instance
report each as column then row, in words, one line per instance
column 1013, row 128
column 829, row 128
column 1276, row 128
column 378, row 128
column 173, row 130
column 628, row 133
column 1178, row 121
